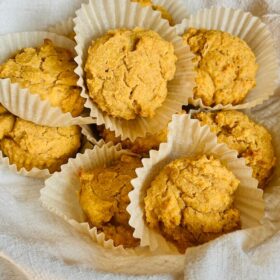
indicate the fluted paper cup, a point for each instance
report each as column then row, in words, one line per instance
column 88, row 141
column 60, row 194
column 64, row 28
column 187, row 138
column 94, row 20
column 256, row 34
column 176, row 8
column 20, row 101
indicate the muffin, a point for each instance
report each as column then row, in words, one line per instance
column 28, row 145
column 141, row 145
column 164, row 13
column 7, row 121
column 191, row 201
column 226, row 66
column 49, row 72
column 104, row 198
column 252, row 141
column 127, row 72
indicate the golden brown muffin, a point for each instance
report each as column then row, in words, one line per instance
column 226, row 69
column 141, row 145
column 127, row 72
column 49, row 72
column 191, row 201
column 29, row 145
column 104, row 199
column 164, row 13
column 2, row 109
column 252, row 141
column 7, row 121
column 71, row 35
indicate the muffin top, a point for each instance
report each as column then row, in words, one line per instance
column 29, row 145
column 143, row 2
column 141, row 145
column 191, row 201
column 2, row 109
column 104, row 199
column 127, row 72
column 7, row 121
column 49, row 72
column 252, row 141
column 164, row 13
column 226, row 68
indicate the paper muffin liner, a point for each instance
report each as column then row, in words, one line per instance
column 60, row 194
column 187, row 138
column 88, row 141
column 64, row 28
column 175, row 8
column 256, row 34
column 94, row 20
column 20, row 101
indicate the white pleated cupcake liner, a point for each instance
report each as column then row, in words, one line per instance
column 94, row 20
column 60, row 194
column 88, row 142
column 20, row 101
column 256, row 34
column 64, row 28
column 176, row 8
column 187, row 138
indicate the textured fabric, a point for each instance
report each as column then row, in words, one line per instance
column 34, row 244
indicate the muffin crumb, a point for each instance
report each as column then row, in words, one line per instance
column 49, row 72
column 127, row 72
column 226, row 66
column 104, row 199
column 252, row 141
column 191, row 201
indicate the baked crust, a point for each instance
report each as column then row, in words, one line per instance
column 104, row 198
column 252, row 141
column 127, row 72
column 191, row 201
column 49, row 72
column 226, row 66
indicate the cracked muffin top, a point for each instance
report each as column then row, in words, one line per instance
column 191, row 201
column 164, row 13
column 49, row 72
column 252, row 141
column 104, row 199
column 226, row 66
column 127, row 72
column 141, row 145
column 29, row 145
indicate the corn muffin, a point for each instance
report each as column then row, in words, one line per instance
column 164, row 13
column 141, row 145
column 226, row 66
column 104, row 199
column 28, row 145
column 49, row 72
column 252, row 141
column 127, row 72
column 191, row 201
column 3, row 110
column 7, row 121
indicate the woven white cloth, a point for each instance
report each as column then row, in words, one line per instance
column 34, row 244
